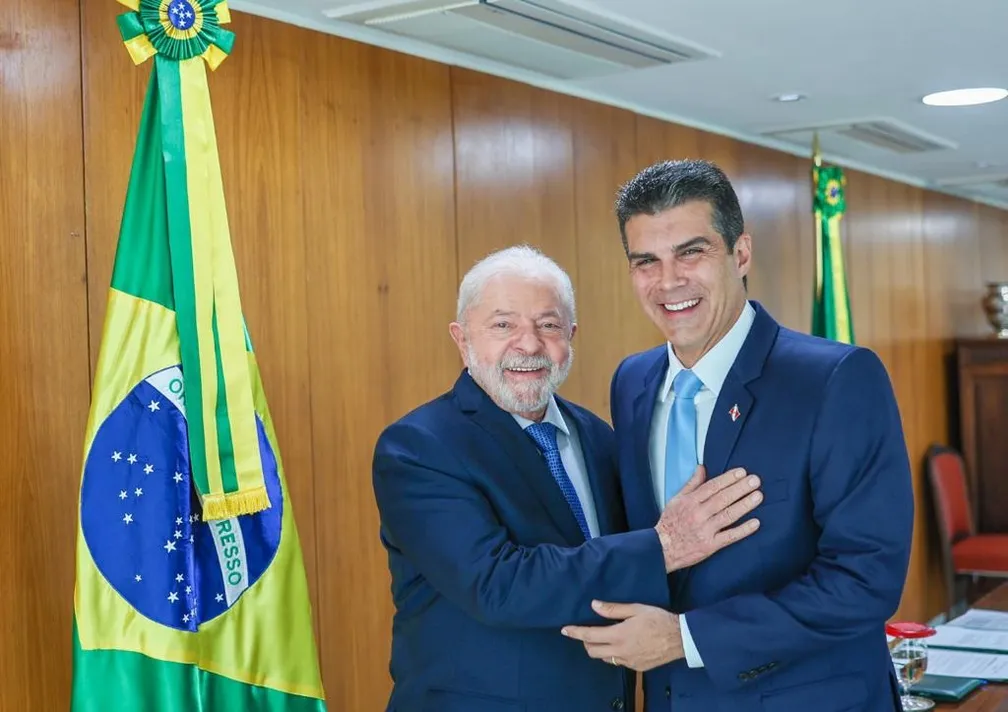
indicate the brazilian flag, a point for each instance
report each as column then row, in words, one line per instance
column 831, row 314
column 190, row 586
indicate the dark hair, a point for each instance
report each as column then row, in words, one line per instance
column 669, row 184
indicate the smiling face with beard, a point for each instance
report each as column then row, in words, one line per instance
column 516, row 343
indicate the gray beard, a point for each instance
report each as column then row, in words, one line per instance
column 527, row 398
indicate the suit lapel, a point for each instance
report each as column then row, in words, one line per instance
column 731, row 410
column 596, row 465
column 520, row 450
column 643, row 411
column 735, row 403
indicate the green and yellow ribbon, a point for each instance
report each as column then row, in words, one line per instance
column 182, row 36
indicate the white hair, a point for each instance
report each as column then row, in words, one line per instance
column 521, row 261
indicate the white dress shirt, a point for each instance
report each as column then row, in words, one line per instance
column 572, row 458
column 711, row 369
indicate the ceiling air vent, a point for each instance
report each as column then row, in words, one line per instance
column 545, row 36
column 884, row 133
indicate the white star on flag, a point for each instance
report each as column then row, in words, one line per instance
column 172, row 597
column 148, row 468
column 178, row 521
column 180, row 578
column 138, row 491
column 131, row 459
column 178, row 478
column 169, row 546
column 138, row 578
column 128, row 518
column 122, row 494
column 116, row 456
column 219, row 598
column 188, row 589
column 185, row 618
column 178, row 534
column 154, row 405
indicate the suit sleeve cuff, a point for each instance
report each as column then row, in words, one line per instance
column 693, row 659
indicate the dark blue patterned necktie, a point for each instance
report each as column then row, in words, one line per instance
column 545, row 436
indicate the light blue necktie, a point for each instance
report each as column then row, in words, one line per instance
column 680, row 444
column 545, row 436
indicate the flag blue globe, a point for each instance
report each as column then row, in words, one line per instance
column 142, row 520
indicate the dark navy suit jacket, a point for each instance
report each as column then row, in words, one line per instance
column 792, row 618
column 488, row 562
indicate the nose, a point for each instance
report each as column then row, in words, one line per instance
column 528, row 341
column 672, row 274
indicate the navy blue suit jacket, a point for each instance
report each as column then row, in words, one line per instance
column 791, row 618
column 488, row 562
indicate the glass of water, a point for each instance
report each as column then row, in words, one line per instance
column 909, row 652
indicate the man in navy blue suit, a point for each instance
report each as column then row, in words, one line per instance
column 791, row 618
column 503, row 518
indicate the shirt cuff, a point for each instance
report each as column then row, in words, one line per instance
column 693, row 659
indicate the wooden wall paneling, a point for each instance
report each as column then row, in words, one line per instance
column 660, row 141
column 993, row 237
column 514, row 175
column 940, row 231
column 43, row 346
column 783, row 237
column 349, row 364
column 114, row 91
column 256, row 98
column 381, row 280
column 966, row 268
column 858, row 227
column 612, row 324
column 799, row 176
column 410, row 208
column 924, row 418
column 906, row 299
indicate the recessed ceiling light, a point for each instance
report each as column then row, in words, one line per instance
column 789, row 97
column 965, row 97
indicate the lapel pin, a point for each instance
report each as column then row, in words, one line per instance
column 734, row 412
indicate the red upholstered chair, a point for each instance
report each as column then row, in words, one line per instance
column 964, row 552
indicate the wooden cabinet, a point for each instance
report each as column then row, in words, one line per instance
column 982, row 366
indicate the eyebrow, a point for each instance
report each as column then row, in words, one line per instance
column 697, row 241
column 554, row 313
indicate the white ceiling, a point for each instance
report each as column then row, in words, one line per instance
column 854, row 60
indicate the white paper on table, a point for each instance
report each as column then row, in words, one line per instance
column 982, row 619
column 951, row 636
column 961, row 663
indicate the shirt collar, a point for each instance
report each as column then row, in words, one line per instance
column 552, row 415
column 713, row 366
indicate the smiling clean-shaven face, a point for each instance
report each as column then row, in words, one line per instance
column 685, row 279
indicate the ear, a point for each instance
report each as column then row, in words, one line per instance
column 743, row 254
column 458, row 336
column 573, row 331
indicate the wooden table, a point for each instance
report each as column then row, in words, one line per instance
column 992, row 697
